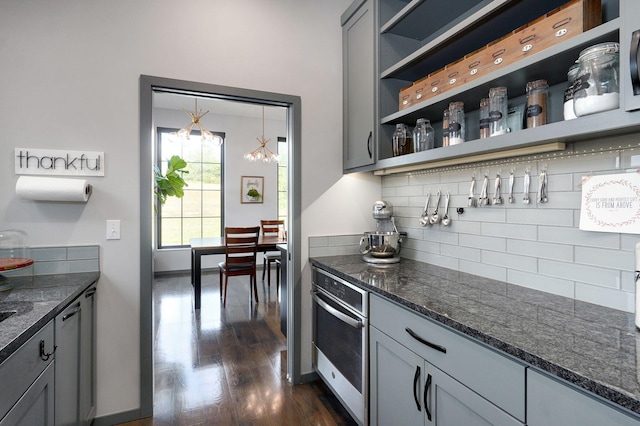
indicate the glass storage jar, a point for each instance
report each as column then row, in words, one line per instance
column 423, row 135
column 498, row 111
column 537, row 94
column 484, row 118
column 597, row 85
column 456, row 123
column 445, row 127
column 402, row 143
column 572, row 74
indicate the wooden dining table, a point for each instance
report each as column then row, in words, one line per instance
column 215, row 245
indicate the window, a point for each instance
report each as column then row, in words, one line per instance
column 199, row 213
column 283, row 183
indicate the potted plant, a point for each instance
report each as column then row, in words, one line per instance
column 171, row 183
column 253, row 194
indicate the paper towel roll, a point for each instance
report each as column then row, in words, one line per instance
column 53, row 189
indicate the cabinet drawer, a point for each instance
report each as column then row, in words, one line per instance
column 497, row 378
column 550, row 401
column 24, row 366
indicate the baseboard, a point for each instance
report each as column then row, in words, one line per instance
column 118, row 418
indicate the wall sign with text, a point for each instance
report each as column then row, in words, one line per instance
column 611, row 203
column 34, row 161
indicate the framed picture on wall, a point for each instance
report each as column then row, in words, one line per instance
column 251, row 189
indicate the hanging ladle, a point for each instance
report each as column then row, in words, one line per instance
column 424, row 219
column 446, row 220
column 435, row 217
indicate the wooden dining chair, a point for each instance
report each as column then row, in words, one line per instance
column 270, row 228
column 241, row 245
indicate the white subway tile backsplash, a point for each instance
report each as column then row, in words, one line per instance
column 485, row 243
column 49, row 253
column 603, row 277
column 507, row 230
column 575, row 236
column 540, row 250
column 510, row 261
column 534, row 245
column 539, row 282
column 482, row 270
column 618, row 259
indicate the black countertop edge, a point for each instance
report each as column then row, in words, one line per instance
column 607, row 392
column 83, row 281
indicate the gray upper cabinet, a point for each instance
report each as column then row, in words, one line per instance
column 359, row 139
column 416, row 38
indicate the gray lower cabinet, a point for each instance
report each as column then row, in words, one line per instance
column 358, row 85
column 423, row 373
column 36, row 406
column 27, row 378
column 552, row 402
column 406, row 389
column 75, row 365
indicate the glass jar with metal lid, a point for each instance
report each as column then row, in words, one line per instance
column 597, row 85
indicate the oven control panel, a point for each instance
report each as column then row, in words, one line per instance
column 342, row 290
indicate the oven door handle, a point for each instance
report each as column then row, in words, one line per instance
column 336, row 313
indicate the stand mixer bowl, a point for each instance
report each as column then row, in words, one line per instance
column 380, row 244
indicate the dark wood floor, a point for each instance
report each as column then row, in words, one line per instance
column 227, row 366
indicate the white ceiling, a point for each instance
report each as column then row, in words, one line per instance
column 216, row 106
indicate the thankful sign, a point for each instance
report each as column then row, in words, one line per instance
column 30, row 161
column 611, row 203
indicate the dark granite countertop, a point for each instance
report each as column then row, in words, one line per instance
column 594, row 347
column 37, row 300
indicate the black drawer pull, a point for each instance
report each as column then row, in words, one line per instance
column 76, row 309
column 89, row 293
column 44, row 355
column 427, row 389
column 416, row 379
column 425, row 342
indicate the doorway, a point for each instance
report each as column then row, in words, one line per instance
column 150, row 85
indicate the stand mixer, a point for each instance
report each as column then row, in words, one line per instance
column 383, row 245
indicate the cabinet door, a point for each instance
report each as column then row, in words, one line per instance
column 550, row 402
column 630, row 54
column 88, row 357
column 67, row 364
column 36, row 406
column 358, row 87
column 450, row 403
column 396, row 382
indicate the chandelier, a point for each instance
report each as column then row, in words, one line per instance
column 206, row 136
column 262, row 153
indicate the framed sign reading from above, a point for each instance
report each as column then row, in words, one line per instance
column 251, row 189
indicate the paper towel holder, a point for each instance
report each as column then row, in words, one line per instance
column 39, row 188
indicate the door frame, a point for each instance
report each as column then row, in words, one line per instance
column 149, row 85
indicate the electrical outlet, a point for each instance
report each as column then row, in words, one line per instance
column 113, row 229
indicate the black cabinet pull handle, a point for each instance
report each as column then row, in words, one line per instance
column 427, row 389
column 426, row 342
column 634, row 58
column 76, row 309
column 90, row 293
column 44, row 355
column 369, row 144
column 416, row 379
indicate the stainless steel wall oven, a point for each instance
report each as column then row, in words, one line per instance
column 340, row 340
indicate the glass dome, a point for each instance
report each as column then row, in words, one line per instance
column 14, row 254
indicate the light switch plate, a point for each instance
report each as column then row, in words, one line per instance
column 113, row 229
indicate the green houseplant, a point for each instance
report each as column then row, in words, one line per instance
column 171, row 183
column 253, row 193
